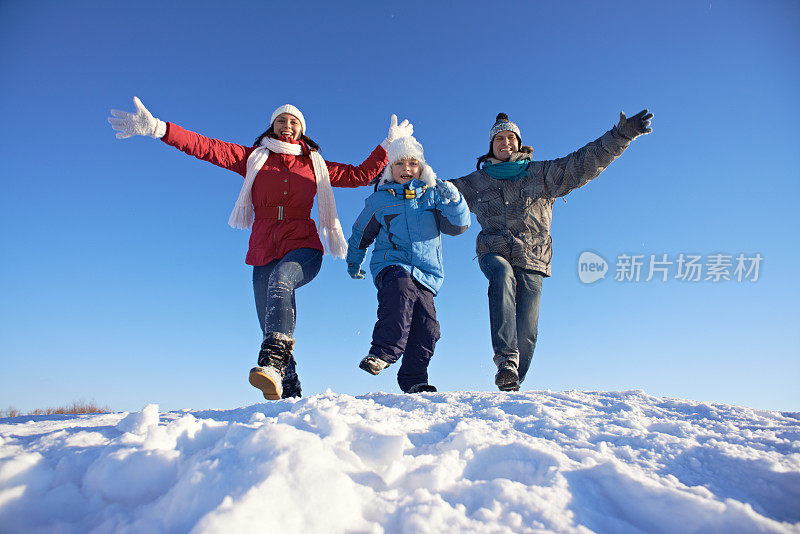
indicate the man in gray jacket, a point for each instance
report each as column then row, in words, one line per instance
column 512, row 197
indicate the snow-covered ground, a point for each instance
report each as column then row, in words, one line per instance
column 441, row 462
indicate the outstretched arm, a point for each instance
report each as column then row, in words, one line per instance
column 141, row 122
column 558, row 177
column 223, row 154
column 355, row 176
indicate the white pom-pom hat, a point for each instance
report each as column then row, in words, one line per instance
column 407, row 147
column 291, row 110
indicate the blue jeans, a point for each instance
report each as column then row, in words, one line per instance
column 513, row 311
column 274, row 285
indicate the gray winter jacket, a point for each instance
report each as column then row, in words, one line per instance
column 515, row 216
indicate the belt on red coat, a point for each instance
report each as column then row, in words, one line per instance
column 281, row 212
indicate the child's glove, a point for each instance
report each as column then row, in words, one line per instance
column 633, row 127
column 396, row 131
column 140, row 123
column 448, row 191
column 355, row 271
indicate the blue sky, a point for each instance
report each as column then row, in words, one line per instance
column 123, row 283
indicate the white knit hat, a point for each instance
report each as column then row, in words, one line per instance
column 407, row 147
column 291, row 110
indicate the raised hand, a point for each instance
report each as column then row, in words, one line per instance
column 404, row 129
column 635, row 126
column 448, row 191
column 140, row 123
column 355, row 271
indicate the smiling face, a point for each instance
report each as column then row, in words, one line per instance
column 287, row 125
column 406, row 169
column 504, row 144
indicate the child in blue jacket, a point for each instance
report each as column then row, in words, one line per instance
column 404, row 218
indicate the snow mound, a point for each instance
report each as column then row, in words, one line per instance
column 438, row 462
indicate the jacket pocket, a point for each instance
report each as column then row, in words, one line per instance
column 496, row 243
column 527, row 197
column 490, row 203
column 538, row 215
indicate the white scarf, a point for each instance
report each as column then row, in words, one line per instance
column 333, row 241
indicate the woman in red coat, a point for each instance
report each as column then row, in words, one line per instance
column 283, row 172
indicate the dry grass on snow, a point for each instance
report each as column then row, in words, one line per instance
column 76, row 407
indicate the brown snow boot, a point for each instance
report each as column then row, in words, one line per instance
column 275, row 354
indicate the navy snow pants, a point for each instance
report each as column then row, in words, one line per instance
column 406, row 325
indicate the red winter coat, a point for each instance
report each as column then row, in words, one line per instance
column 285, row 181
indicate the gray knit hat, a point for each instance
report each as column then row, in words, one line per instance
column 502, row 123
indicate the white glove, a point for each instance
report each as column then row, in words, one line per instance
column 448, row 191
column 404, row 129
column 140, row 123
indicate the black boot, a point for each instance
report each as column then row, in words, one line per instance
column 291, row 382
column 421, row 388
column 507, row 378
column 273, row 359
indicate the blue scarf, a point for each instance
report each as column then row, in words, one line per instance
column 507, row 170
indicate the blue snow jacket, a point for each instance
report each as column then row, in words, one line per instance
column 406, row 231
